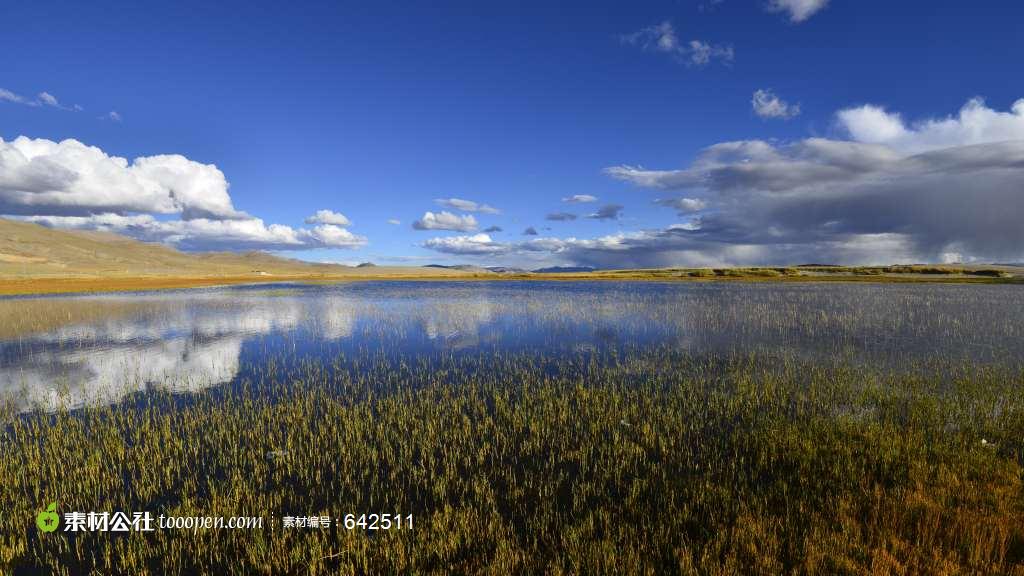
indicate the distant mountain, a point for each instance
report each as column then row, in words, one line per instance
column 507, row 270
column 565, row 269
column 462, row 267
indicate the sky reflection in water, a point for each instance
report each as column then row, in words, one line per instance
column 67, row 350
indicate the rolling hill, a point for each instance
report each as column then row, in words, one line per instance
column 35, row 258
column 31, row 250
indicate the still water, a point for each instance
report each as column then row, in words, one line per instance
column 64, row 351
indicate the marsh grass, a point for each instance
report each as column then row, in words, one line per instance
column 642, row 461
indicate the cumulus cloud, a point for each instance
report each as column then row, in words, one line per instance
column 466, row 205
column 39, row 176
column 663, row 38
column 797, row 10
column 893, row 192
column 490, row 229
column 445, row 221
column 579, row 199
column 476, row 244
column 530, row 231
column 560, row 216
column 68, row 184
column 872, row 124
column 767, row 105
column 975, row 123
column 607, row 212
column 331, row 236
column 328, row 217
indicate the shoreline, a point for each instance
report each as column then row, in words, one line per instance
column 43, row 286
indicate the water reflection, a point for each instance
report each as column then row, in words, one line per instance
column 71, row 350
column 102, row 348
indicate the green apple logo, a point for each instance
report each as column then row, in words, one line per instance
column 48, row 520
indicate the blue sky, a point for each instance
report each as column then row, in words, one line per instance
column 376, row 110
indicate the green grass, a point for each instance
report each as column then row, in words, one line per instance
column 644, row 462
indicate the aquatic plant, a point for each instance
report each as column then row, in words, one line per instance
column 647, row 461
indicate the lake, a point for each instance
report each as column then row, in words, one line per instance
column 68, row 350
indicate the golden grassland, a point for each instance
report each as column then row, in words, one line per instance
column 642, row 463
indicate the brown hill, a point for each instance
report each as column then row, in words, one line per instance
column 36, row 258
column 31, row 250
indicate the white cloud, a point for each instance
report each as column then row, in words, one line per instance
column 895, row 191
column 466, row 205
column 394, row 221
column 975, row 123
column 475, row 244
column 797, row 10
column 701, row 53
column 445, row 221
column 660, row 37
column 207, row 234
column 331, row 236
column 329, row 217
column 9, row 96
column 41, row 99
column 71, row 185
column 114, row 116
column 663, row 38
column 39, row 176
column 872, row 124
column 767, row 105
column 579, row 199
column 49, row 99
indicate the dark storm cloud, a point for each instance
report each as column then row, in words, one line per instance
column 948, row 189
column 607, row 212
